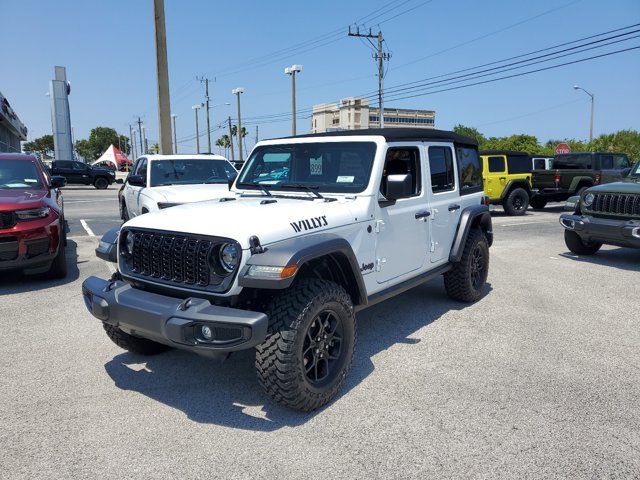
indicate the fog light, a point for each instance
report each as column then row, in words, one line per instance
column 206, row 332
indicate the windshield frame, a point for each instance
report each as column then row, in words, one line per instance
column 635, row 170
column 226, row 165
column 41, row 183
column 323, row 187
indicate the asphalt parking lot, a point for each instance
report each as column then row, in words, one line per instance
column 540, row 378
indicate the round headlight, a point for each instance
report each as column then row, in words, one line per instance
column 588, row 199
column 128, row 243
column 229, row 256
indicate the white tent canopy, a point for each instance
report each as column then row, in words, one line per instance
column 114, row 156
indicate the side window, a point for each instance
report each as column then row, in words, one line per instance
column 400, row 161
column 441, row 167
column 469, row 170
column 496, row 164
column 142, row 168
column 620, row 162
column 80, row 167
column 62, row 164
column 539, row 164
column 606, row 162
column 518, row 164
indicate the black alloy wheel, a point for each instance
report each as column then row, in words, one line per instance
column 322, row 350
column 478, row 263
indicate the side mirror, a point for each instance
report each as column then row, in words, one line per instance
column 136, row 180
column 58, row 182
column 398, row 186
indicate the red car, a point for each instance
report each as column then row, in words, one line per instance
column 32, row 232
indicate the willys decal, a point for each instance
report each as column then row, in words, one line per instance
column 309, row 224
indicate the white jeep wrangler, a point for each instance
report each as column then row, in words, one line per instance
column 161, row 181
column 315, row 228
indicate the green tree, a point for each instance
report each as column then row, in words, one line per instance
column 224, row 142
column 626, row 141
column 99, row 140
column 470, row 132
column 42, row 146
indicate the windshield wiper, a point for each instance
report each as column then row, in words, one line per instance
column 262, row 187
column 301, row 186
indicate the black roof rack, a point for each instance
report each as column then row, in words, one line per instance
column 399, row 134
column 504, row 152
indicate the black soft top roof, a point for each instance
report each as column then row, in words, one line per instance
column 400, row 134
column 512, row 153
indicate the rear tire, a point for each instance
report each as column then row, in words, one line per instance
column 578, row 246
column 466, row 281
column 309, row 347
column 516, row 202
column 133, row 344
column 538, row 203
column 101, row 183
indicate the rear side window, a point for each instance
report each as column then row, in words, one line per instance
column 470, row 170
column 539, row 164
column 496, row 164
column 442, row 172
column 573, row 161
column 518, row 164
column 62, row 164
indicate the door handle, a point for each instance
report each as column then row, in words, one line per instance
column 454, row 207
column 423, row 214
column 503, row 178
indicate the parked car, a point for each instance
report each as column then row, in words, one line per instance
column 32, row 228
column 161, row 181
column 605, row 214
column 283, row 265
column 78, row 173
column 573, row 173
column 507, row 179
column 542, row 163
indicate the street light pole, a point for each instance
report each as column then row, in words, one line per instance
column 195, row 108
column 175, row 141
column 237, row 92
column 593, row 97
column 292, row 70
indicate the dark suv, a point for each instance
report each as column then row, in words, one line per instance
column 605, row 214
column 573, row 173
column 78, row 173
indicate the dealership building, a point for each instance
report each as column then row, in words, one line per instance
column 354, row 113
column 12, row 130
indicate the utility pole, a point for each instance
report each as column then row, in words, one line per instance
column 195, row 108
column 162, row 69
column 231, row 140
column 256, row 133
column 237, row 92
column 292, row 70
column 206, row 106
column 131, row 142
column 175, row 142
column 140, row 135
column 380, row 57
column 146, row 144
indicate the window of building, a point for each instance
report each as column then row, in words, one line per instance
column 470, row 170
column 496, row 164
column 401, row 161
column 442, row 171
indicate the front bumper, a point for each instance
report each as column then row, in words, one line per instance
column 622, row 233
column 173, row 321
column 30, row 246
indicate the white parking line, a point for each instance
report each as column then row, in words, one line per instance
column 87, row 229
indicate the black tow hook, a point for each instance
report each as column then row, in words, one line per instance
column 185, row 304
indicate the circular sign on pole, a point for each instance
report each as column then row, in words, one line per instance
column 562, row 148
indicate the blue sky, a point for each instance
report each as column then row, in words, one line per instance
column 108, row 49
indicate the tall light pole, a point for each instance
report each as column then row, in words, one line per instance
column 195, row 108
column 292, row 70
column 577, row 87
column 237, row 92
column 145, row 150
column 162, row 70
column 175, row 142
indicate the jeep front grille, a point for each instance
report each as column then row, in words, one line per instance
column 615, row 204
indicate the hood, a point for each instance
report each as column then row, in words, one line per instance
column 247, row 216
column 192, row 193
column 17, row 198
column 628, row 186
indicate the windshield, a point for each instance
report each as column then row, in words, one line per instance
column 190, row 171
column 340, row 167
column 19, row 174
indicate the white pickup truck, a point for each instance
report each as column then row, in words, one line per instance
column 161, row 181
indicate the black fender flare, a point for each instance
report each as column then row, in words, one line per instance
column 477, row 215
column 300, row 250
column 520, row 183
column 107, row 249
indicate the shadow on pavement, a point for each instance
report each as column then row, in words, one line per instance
column 228, row 393
column 623, row 258
column 17, row 282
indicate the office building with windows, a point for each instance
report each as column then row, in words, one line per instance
column 354, row 113
column 12, row 130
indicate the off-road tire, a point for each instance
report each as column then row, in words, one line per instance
column 124, row 213
column 101, row 183
column 578, row 246
column 538, row 203
column 516, row 202
column 280, row 359
column 459, row 281
column 58, row 268
column 133, row 344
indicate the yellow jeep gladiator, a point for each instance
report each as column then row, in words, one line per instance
column 507, row 179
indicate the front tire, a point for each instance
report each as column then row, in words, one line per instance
column 58, row 267
column 516, row 202
column 101, row 183
column 579, row 246
column 466, row 281
column 124, row 213
column 133, row 344
column 309, row 346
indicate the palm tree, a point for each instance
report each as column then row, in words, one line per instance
column 234, row 133
column 224, row 142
